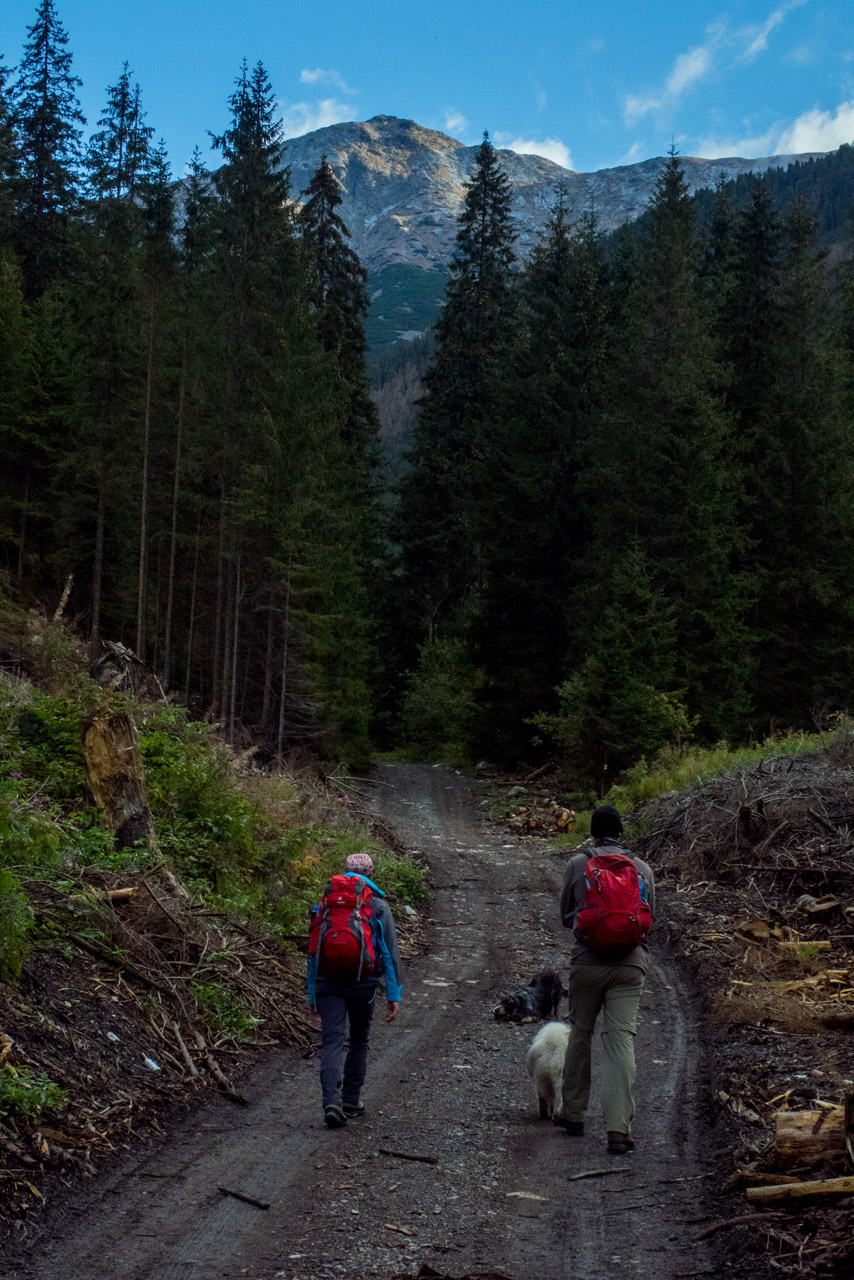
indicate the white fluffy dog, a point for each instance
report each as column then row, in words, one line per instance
column 545, row 1067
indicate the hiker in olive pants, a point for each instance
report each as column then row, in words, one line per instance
column 612, row 988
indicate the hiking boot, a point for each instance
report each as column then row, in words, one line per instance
column 575, row 1128
column 352, row 1110
column 619, row 1144
column 334, row 1116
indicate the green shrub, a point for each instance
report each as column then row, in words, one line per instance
column 223, row 1012
column 25, row 1095
column 16, row 918
column 201, row 820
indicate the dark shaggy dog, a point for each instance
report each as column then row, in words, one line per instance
column 540, row 999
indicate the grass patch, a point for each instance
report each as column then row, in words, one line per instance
column 680, row 770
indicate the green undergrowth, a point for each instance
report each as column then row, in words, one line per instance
column 251, row 844
column 27, row 1095
column 680, row 770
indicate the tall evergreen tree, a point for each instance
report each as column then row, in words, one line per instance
column 99, row 530
column 445, row 498
column 340, row 302
column 540, row 524
column 787, row 400
column 49, row 125
column 657, row 476
column 119, row 155
column 8, row 158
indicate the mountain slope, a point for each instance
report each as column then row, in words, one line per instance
column 404, row 185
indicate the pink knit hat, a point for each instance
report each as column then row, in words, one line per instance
column 361, row 863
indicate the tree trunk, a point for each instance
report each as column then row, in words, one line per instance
column 284, row 690
column 22, row 541
column 192, row 611
column 217, row 625
column 267, row 697
column 98, row 569
column 809, row 1137
column 115, row 773
column 238, row 595
column 143, row 514
column 176, row 488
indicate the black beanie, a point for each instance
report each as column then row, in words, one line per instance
column 605, row 822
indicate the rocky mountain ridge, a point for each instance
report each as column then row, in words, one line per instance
column 403, row 187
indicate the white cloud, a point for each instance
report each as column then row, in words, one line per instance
column 813, row 130
column 817, row 130
column 756, row 36
column 455, row 121
column 695, row 65
column 688, row 69
column 320, row 76
column 542, row 99
column 303, row 117
column 550, row 148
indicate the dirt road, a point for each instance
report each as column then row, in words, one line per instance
column 444, row 1081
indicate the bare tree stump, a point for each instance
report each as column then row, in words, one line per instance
column 116, row 776
column 809, row 1137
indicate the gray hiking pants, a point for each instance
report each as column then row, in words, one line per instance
column 615, row 990
column 336, row 1003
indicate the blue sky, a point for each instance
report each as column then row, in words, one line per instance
column 589, row 85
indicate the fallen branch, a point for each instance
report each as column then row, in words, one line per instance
column 803, row 1190
column 185, row 1052
column 596, row 1173
column 239, row 1195
column 169, row 916
column 217, row 1072
column 723, row 1223
column 118, row 962
column 407, row 1155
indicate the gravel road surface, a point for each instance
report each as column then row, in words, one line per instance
column 445, row 1081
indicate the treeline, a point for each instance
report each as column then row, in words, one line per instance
column 630, row 517
column 186, row 436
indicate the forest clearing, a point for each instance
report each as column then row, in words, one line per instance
column 743, row 1029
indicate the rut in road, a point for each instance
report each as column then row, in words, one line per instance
column 444, row 1081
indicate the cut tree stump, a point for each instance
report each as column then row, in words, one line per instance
column 809, row 1137
column 116, row 776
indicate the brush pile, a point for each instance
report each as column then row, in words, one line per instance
column 757, row 867
column 135, row 997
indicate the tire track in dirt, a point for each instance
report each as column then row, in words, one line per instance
column 444, row 1081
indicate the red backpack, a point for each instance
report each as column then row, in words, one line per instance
column 615, row 917
column 341, row 935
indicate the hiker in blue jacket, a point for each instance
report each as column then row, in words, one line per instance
column 337, row 1000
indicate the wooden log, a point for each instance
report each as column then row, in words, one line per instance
column 803, row 1190
column 809, row 1137
column 115, row 774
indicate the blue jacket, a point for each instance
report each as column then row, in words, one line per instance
column 385, row 947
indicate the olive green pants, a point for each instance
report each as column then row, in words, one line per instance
column 616, row 991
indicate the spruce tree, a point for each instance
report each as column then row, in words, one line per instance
column 119, row 153
column 787, row 398
column 286, row 572
column 446, row 504
column 540, row 525
column 49, row 126
column 9, row 176
column 657, row 475
column 339, row 300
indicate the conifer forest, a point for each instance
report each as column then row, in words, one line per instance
column 627, row 515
